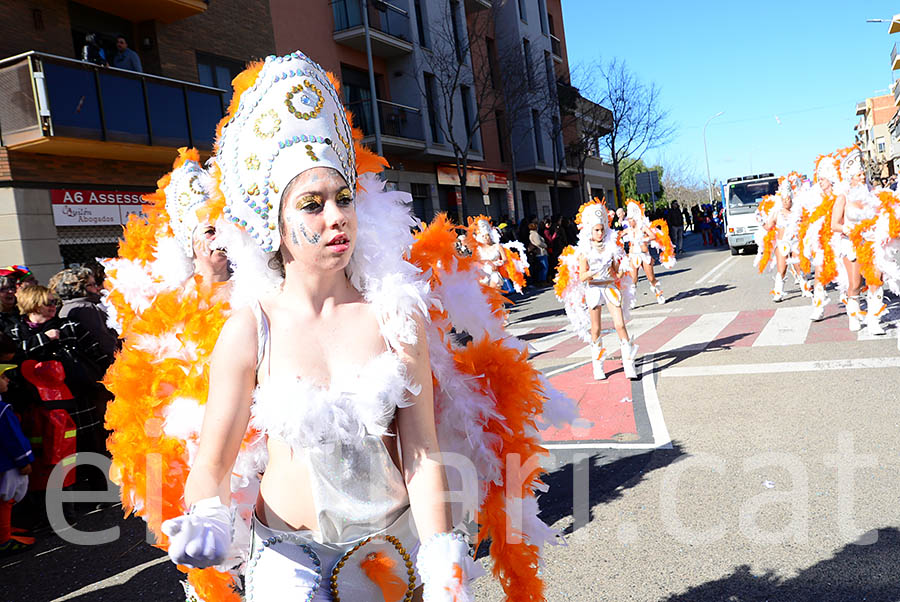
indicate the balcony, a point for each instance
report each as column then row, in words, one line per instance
column 401, row 126
column 556, row 48
column 896, row 94
column 388, row 27
column 894, row 27
column 895, row 59
column 165, row 11
column 60, row 106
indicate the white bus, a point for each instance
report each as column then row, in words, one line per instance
column 741, row 197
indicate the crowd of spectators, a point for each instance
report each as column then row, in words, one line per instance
column 55, row 347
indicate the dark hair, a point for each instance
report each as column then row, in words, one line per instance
column 122, row 37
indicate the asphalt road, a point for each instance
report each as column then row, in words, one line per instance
column 777, row 477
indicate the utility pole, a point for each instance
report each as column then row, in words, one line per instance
column 376, row 116
column 706, row 154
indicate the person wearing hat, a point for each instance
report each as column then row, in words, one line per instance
column 9, row 313
column 16, row 458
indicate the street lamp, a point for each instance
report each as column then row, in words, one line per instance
column 706, row 154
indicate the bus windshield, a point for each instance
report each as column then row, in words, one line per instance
column 749, row 194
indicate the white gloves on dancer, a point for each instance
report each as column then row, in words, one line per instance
column 202, row 537
column 13, row 485
column 447, row 568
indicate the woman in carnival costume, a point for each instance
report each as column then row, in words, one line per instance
column 851, row 209
column 817, row 240
column 498, row 261
column 641, row 234
column 352, row 384
column 780, row 220
column 596, row 273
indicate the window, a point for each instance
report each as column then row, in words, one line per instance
column 501, row 134
column 551, row 79
column 465, row 95
column 457, row 38
column 217, row 72
column 432, row 109
column 536, row 126
column 526, row 49
column 491, row 49
column 420, row 24
column 542, row 11
column 550, row 24
column 879, row 143
column 557, row 143
column 358, row 97
column 421, row 196
column 522, row 13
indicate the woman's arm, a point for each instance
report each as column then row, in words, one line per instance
column 232, row 376
column 837, row 214
column 584, row 273
column 423, row 472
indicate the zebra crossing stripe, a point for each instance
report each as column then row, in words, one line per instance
column 789, row 326
column 700, row 333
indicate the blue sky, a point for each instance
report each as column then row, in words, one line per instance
column 808, row 63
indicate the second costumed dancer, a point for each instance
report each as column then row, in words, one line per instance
column 592, row 274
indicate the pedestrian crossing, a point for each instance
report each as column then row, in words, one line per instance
column 675, row 333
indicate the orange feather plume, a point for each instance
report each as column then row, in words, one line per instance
column 379, row 568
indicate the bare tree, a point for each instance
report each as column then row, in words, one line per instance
column 592, row 121
column 682, row 184
column 472, row 77
column 638, row 121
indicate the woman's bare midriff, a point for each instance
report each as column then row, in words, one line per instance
column 285, row 499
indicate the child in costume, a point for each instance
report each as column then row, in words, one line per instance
column 641, row 234
column 506, row 261
column 591, row 274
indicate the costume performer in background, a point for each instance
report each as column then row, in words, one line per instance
column 817, row 240
column 852, row 208
column 641, row 234
column 498, row 261
column 591, row 274
column 341, row 422
column 780, row 221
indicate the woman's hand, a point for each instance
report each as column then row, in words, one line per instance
column 52, row 334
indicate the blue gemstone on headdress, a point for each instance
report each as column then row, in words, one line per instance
column 288, row 142
column 253, row 203
column 257, row 210
column 281, row 145
column 244, row 223
column 281, row 59
column 296, row 138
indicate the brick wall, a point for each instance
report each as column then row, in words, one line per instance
column 19, row 33
column 235, row 29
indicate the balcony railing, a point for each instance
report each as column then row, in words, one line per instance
column 46, row 98
column 384, row 17
column 556, row 47
column 895, row 59
column 896, row 94
column 396, row 120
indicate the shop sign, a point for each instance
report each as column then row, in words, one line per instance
column 476, row 178
column 73, row 207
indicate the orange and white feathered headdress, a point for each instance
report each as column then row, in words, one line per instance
column 634, row 210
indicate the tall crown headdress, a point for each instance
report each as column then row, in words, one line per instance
column 189, row 189
column 291, row 119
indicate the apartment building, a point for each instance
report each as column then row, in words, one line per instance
column 80, row 142
column 873, row 134
column 412, row 104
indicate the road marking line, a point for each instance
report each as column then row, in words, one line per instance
column 549, row 341
column 116, row 579
column 789, row 326
column 566, row 368
column 783, row 367
column 661, row 438
column 721, row 265
column 700, row 333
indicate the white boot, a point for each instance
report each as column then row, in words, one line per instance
column 629, row 351
column 778, row 291
column 820, row 300
column 874, row 308
column 806, row 287
column 659, row 294
column 854, row 313
column 597, row 355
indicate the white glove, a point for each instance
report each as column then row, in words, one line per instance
column 201, row 538
column 446, row 569
column 13, row 485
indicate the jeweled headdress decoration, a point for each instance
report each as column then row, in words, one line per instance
column 291, row 119
column 187, row 193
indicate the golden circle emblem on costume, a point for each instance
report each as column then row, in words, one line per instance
column 252, row 162
column 267, row 124
column 184, row 198
column 316, row 109
column 194, row 185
